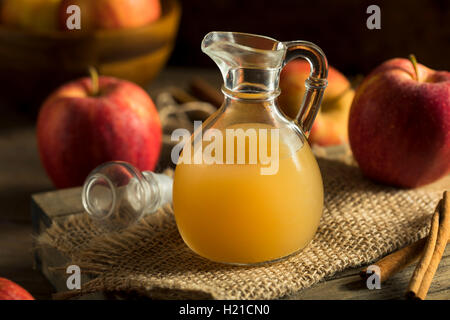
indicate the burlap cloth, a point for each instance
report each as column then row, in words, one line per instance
column 362, row 221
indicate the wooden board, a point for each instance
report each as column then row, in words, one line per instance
column 58, row 205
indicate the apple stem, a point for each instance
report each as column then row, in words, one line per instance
column 413, row 60
column 94, row 78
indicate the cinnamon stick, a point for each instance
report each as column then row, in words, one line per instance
column 425, row 270
column 206, row 92
column 180, row 95
column 430, row 245
column 397, row 261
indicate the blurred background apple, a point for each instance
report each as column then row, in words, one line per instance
column 112, row 14
column 35, row 15
column 130, row 40
column 330, row 126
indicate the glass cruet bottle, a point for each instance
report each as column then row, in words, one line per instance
column 239, row 205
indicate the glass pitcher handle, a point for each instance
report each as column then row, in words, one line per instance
column 316, row 82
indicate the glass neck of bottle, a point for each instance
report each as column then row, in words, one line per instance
column 252, row 84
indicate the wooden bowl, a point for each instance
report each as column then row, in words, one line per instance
column 33, row 64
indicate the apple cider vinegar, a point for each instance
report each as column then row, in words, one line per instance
column 234, row 214
column 247, row 188
column 252, row 211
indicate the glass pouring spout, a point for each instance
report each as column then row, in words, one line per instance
column 116, row 194
column 251, row 65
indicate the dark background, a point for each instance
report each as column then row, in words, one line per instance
column 338, row 27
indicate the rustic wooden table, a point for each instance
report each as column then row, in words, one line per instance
column 22, row 175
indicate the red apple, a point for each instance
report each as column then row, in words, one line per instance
column 399, row 125
column 79, row 127
column 112, row 14
column 330, row 126
column 12, row 291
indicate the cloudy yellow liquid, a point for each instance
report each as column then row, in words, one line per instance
column 232, row 213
